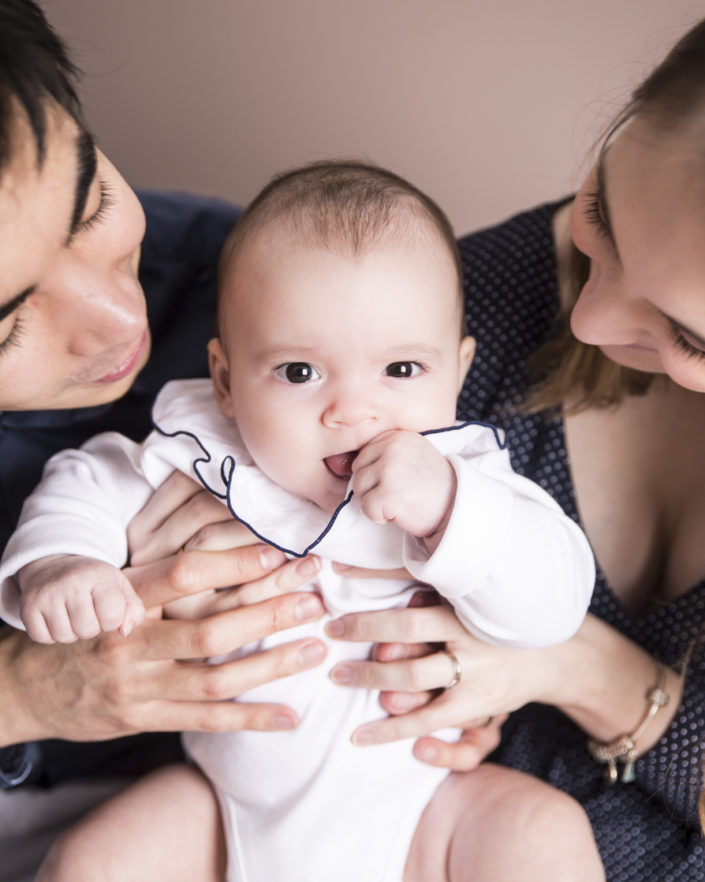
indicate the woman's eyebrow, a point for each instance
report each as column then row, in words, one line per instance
column 87, row 165
column 603, row 200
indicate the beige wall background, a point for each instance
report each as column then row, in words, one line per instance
column 489, row 105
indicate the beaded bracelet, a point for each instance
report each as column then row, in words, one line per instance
column 624, row 748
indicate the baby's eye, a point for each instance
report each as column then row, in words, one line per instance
column 297, row 372
column 403, row 369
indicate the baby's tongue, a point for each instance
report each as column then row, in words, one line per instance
column 341, row 463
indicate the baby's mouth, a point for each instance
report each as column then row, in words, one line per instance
column 340, row 464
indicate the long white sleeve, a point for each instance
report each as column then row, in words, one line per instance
column 516, row 568
column 82, row 506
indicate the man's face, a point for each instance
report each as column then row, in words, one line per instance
column 73, row 325
column 321, row 352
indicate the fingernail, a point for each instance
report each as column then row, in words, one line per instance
column 341, row 568
column 271, row 557
column 308, row 566
column 281, row 721
column 335, row 628
column 308, row 608
column 341, row 674
column 363, row 737
column 311, row 654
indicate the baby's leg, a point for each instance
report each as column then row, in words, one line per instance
column 165, row 826
column 496, row 824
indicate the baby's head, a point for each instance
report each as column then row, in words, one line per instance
column 340, row 317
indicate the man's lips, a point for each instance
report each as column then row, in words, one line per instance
column 127, row 365
column 340, row 464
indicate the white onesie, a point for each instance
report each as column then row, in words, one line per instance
column 306, row 805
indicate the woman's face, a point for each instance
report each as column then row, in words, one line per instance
column 640, row 218
column 73, row 325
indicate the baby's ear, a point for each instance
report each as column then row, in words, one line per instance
column 465, row 357
column 220, row 374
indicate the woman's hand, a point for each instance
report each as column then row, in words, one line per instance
column 598, row 678
column 465, row 754
column 113, row 686
column 495, row 680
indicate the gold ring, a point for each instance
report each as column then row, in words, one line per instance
column 457, row 669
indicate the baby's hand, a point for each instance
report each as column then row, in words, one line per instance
column 401, row 477
column 65, row 597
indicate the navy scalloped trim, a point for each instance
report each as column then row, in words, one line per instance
column 229, row 464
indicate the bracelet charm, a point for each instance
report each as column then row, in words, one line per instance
column 624, row 748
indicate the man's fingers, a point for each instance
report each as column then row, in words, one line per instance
column 227, row 631
column 227, row 716
column 199, row 681
column 192, row 571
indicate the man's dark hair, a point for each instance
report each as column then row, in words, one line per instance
column 35, row 71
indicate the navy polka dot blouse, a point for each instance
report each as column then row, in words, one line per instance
column 647, row 829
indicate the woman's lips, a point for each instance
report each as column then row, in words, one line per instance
column 340, row 464
column 127, row 366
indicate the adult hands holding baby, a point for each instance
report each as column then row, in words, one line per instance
column 112, row 686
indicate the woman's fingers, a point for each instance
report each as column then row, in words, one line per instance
column 416, row 675
column 434, row 624
column 466, row 753
column 351, row 572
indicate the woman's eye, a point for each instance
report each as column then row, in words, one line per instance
column 403, row 369
column 297, row 372
column 594, row 213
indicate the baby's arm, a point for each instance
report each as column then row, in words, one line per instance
column 516, row 568
column 65, row 597
column 401, row 478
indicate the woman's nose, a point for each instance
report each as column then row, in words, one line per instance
column 605, row 315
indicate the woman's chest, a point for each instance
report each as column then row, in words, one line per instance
column 639, row 477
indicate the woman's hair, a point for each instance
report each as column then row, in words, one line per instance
column 345, row 205
column 35, row 71
column 575, row 372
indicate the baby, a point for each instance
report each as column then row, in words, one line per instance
column 329, row 424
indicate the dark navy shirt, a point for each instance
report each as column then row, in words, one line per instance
column 178, row 271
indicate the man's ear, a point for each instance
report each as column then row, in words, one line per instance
column 220, row 374
column 465, row 357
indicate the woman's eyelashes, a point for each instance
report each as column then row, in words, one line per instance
column 684, row 345
column 594, row 213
